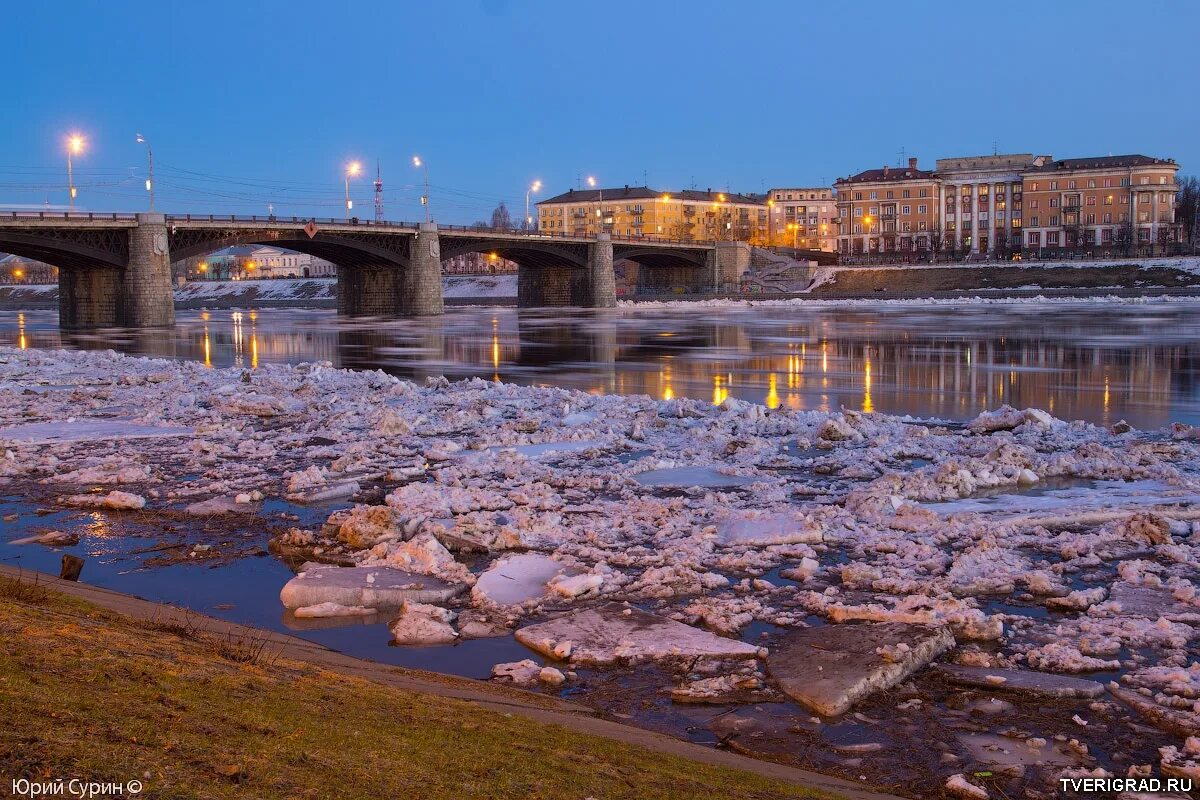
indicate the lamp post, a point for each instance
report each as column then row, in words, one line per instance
column 74, row 147
column 599, row 205
column 150, row 176
column 867, row 222
column 533, row 187
column 352, row 170
column 418, row 163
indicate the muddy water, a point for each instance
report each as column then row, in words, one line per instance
column 1096, row 361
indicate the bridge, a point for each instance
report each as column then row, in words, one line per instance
column 115, row 269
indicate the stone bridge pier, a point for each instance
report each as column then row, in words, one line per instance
column 392, row 290
column 140, row 296
column 592, row 286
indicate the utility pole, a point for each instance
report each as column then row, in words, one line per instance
column 378, row 194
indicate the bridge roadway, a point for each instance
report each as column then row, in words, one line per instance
column 115, row 269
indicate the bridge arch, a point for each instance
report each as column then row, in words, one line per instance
column 69, row 250
column 531, row 253
column 349, row 250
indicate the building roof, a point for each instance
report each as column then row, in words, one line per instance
column 1102, row 162
column 623, row 193
column 886, row 174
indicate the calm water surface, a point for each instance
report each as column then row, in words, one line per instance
column 1097, row 362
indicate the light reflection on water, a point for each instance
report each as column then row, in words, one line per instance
column 1079, row 361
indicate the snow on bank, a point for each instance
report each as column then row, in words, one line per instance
column 848, row 529
column 921, row 301
column 297, row 290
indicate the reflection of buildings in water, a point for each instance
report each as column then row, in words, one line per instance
column 913, row 362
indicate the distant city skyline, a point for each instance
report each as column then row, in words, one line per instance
column 251, row 105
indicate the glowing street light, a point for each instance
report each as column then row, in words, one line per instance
column 150, row 178
column 536, row 186
column 74, row 147
column 352, row 171
column 591, row 181
column 419, row 164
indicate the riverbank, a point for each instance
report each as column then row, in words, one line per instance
column 191, row 706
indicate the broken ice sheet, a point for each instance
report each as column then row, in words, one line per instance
column 88, row 430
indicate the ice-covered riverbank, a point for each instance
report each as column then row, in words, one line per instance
column 747, row 540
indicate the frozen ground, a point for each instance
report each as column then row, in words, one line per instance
column 291, row 289
column 733, row 519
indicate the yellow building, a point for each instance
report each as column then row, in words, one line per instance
column 804, row 217
column 642, row 212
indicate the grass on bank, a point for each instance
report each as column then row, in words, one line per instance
column 91, row 694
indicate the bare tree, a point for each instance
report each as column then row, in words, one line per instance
column 1126, row 237
column 936, row 240
column 1187, row 208
column 1001, row 246
column 501, row 218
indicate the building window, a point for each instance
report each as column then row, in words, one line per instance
column 1054, row 186
column 1108, row 219
column 1033, row 187
column 1070, row 184
column 858, row 195
column 1035, row 220
column 1035, row 239
column 1033, row 203
column 1091, row 201
column 1107, row 183
column 922, row 209
column 923, row 193
column 1054, row 202
column 906, row 210
column 889, row 195
column 874, row 195
column 1052, row 239
column 1054, row 220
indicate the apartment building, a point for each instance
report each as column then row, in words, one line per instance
column 981, row 205
column 1101, row 201
column 888, row 209
column 988, row 204
column 639, row 211
column 803, row 217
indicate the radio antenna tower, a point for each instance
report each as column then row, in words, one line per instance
column 378, row 194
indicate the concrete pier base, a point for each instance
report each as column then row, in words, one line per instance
column 88, row 298
column 368, row 291
column 600, row 290
column 420, row 286
column 148, row 299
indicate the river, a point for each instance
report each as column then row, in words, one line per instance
column 1096, row 361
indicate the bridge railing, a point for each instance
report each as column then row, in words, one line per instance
column 354, row 222
column 370, row 223
column 66, row 215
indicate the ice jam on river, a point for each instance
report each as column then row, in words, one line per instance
column 979, row 609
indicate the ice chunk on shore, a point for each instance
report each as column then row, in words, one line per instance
column 687, row 477
column 830, row 668
column 421, row 623
column 757, row 529
column 88, row 430
column 370, row 587
column 119, row 501
column 1020, row 680
column 323, row 610
column 521, row 673
column 612, row 632
column 516, row 579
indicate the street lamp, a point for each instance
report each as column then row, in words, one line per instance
column 536, row 186
column 600, row 205
column 352, row 171
column 150, row 177
column 418, row 163
column 867, row 222
column 74, row 147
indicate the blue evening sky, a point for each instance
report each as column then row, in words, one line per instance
column 247, row 102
